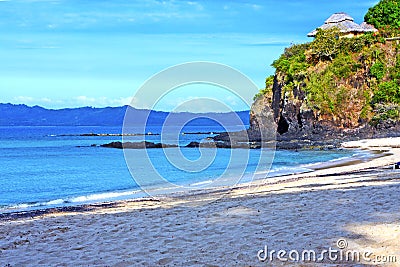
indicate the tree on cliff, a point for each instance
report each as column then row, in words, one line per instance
column 347, row 82
column 385, row 13
column 326, row 44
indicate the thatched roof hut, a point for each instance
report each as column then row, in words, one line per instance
column 368, row 27
column 345, row 24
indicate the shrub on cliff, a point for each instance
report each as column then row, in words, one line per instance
column 388, row 92
column 293, row 63
column 326, row 45
column 385, row 13
column 344, row 80
column 267, row 91
column 378, row 70
column 340, row 79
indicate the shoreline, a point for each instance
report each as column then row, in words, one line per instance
column 379, row 147
column 225, row 226
column 137, row 195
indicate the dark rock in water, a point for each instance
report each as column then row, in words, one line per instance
column 225, row 144
column 92, row 145
column 308, row 144
column 211, row 144
column 89, row 134
column 193, row 144
column 262, row 127
column 113, row 145
column 136, row 145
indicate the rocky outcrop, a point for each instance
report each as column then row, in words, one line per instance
column 136, row 145
column 225, row 144
column 298, row 126
column 262, row 121
column 332, row 89
column 193, row 144
column 291, row 116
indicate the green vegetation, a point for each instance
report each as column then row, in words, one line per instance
column 378, row 70
column 385, row 13
column 388, row 92
column 326, row 45
column 269, row 82
column 293, row 63
column 346, row 80
column 385, row 16
column 386, row 113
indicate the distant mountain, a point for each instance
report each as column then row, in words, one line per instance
column 23, row 115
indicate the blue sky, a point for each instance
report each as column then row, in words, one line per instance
column 70, row 53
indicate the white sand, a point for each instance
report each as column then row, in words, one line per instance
column 301, row 212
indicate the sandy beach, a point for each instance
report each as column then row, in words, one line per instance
column 352, row 208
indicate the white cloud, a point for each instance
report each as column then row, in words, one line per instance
column 78, row 101
column 198, row 6
column 40, row 101
column 122, row 101
column 232, row 100
column 102, row 101
column 254, row 7
column 23, row 99
column 52, row 26
column 85, row 100
column 46, row 100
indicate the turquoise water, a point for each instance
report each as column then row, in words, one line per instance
column 54, row 166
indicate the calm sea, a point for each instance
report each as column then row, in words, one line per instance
column 55, row 166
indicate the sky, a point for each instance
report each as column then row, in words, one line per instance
column 73, row 53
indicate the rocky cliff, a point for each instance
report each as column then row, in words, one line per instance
column 354, row 93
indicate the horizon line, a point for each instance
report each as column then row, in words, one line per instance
column 92, row 107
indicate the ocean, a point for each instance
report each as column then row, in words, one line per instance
column 55, row 166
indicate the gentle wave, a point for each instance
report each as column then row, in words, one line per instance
column 46, row 172
column 202, row 183
column 359, row 156
column 72, row 201
column 288, row 171
column 349, row 158
column 247, row 177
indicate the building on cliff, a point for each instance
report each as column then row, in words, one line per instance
column 345, row 24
